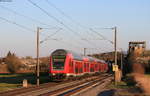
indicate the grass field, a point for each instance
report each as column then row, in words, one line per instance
column 148, row 75
column 11, row 81
column 128, row 87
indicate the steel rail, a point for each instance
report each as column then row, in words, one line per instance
column 67, row 90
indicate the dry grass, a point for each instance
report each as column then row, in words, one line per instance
column 6, row 86
column 143, row 82
column 141, row 79
column 4, row 68
column 139, row 74
column 11, row 81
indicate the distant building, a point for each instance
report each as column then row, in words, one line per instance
column 29, row 63
column 137, row 47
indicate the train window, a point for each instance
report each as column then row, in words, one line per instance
column 84, row 65
column 58, row 62
column 87, row 64
column 76, row 70
column 76, row 63
column 72, row 64
column 96, row 66
column 80, row 70
column 91, row 70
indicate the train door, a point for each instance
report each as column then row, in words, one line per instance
column 76, row 67
column 106, row 67
column 99, row 67
column 71, row 69
column 92, row 67
column 81, row 67
column 87, row 66
column 84, row 67
column 102, row 69
column 96, row 67
column 73, row 65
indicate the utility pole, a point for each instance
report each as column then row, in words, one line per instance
column 115, row 66
column 37, row 66
column 121, row 60
column 115, row 49
column 85, row 51
column 37, row 53
column 115, row 44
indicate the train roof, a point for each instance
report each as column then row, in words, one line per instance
column 75, row 55
column 64, row 52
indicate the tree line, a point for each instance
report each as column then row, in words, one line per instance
column 14, row 63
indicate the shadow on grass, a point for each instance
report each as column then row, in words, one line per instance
column 129, row 81
column 107, row 93
column 18, row 78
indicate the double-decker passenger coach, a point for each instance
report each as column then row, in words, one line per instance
column 64, row 63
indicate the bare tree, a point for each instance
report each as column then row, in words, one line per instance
column 13, row 62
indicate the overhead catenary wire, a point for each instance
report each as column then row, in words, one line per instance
column 49, row 37
column 64, row 14
column 92, row 35
column 23, row 27
column 101, row 36
column 78, row 24
column 67, row 16
column 19, row 25
column 48, row 14
column 70, row 18
column 27, row 17
column 72, row 45
column 53, row 17
column 30, row 30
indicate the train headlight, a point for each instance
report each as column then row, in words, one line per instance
column 53, row 74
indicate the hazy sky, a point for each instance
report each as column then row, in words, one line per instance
column 132, row 18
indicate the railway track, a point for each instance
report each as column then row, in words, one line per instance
column 61, row 88
column 23, row 90
column 76, row 88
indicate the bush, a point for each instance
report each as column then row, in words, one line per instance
column 29, row 57
column 1, row 60
column 13, row 63
column 44, row 64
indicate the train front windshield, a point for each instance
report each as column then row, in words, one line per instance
column 58, row 62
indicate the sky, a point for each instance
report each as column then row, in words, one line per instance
column 68, row 25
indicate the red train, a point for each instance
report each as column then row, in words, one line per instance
column 65, row 63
